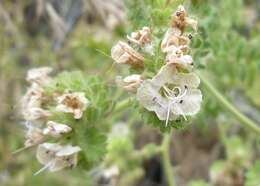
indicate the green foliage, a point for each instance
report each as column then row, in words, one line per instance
column 90, row 131
column 198, row 183
column 253, row 175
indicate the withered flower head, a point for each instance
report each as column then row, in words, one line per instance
column 122, row 53
column 141, row 37
column 181, row 20
column 75, row 103
column 130, row 83
column 39, row 75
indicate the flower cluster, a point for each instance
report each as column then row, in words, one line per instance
column 172, row 94
column 38, row 107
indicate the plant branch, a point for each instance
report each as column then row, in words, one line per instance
column 245, row 121
column 168, row 169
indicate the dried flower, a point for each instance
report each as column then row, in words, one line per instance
column 39, row 75
column 75, row 103
column 34, row 136
column 55, row 129
column 35, row 113
column 56, row 157
column 181, row 20
column 173, row 39
column 130, row 83
column 179, row 59
column 122, row 53
column 141, row 37
column 171, row 94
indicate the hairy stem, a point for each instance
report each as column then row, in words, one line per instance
column 123, row 105
column 168, row 169
column 244, row 120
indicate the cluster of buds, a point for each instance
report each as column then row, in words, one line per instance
column 35, row 108
column 172, row 94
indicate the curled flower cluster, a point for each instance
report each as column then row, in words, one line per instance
column 172, row 94
column 35, row 108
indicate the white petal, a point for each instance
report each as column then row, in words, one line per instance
column 46, row 152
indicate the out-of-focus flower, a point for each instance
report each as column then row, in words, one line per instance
column 39, row 75
column 130, row 83
column 141, row 37
column 55, row 157
column 171, row 94
column 173, row 38
column 55, row 129
column 35, row 113
column 34, row 136
column 122, row 53
column 180, row 60
column 75, row 103
column 181, row 20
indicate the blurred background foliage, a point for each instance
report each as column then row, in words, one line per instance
column 78, row 34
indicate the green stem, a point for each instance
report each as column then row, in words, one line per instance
column 245, row 121
column 123, row 105
column 168, row 169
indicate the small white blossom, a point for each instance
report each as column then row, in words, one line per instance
column 39, row 75
column 179, row 59
column 122, row 53
column 55, row 157
column 171, row 94
column 55, row 129
column 130, row 83
column 75, row 103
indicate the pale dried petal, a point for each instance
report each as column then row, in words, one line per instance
column 35, row 113
column 55, row 129
column 46, row 152
column 39, row 75
column 122, row 53
column 75, row 103
column 34, row 136
column 130, row 83
column 141, row 37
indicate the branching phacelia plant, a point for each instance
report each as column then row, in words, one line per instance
column 171, row 94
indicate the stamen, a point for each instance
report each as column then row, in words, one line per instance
column 43, row 168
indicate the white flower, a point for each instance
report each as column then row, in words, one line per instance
column 39, row 75
column 181, row 20
column 179, row 59
column 122, row 53
column 55, row 129
column 34, row 136
column 171, row 94
column 173, row 39
column 130, row 83
column 56, row 157
column 75, row 103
